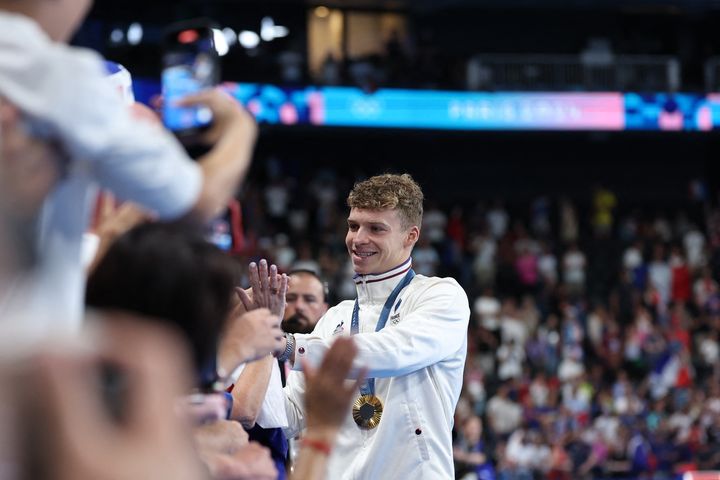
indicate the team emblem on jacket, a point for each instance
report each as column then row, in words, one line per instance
column 395, row 318
column 339, row 329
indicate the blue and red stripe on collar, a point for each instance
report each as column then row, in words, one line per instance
column 379, row 277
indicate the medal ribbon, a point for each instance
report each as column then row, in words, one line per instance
column 368, row 387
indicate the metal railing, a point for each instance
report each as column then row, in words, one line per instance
column 712, row 74
column 573, row 72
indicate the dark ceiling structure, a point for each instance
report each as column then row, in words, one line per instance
column 439, row 5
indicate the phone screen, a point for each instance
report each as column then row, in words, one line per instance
column 190, row 65
column 226, row 231
column 220, row 233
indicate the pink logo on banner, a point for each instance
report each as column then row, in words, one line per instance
column 598, row 111
column 316, row 105
column 671, row 120
column 704, row 118
column 288, row 114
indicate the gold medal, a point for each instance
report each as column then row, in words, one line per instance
column 367, row 411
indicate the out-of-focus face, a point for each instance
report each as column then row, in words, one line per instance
column 377, row 241
column 305, row 303
column 472, row 430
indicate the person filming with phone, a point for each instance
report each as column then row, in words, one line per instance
column 62, row 97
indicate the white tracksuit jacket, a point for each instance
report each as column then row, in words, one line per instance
column 417, row 361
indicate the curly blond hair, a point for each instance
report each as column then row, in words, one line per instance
column 390, row 192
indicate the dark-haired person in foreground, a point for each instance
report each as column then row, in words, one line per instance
column 172, row 275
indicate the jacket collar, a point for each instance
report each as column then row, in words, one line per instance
column 377, row 287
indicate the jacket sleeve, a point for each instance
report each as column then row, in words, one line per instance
column 294, row 404
column 295, row 386
column 434, row 328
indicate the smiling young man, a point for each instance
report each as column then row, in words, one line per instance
column 411, row 334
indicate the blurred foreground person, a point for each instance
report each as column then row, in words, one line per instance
column 328, row 397
column 171, row 274
column 66, row 101
column 305, row 303
column 72, row 424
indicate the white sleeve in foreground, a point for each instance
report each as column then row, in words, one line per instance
column 64, row 90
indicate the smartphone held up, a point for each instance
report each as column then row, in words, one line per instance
column 190, row 65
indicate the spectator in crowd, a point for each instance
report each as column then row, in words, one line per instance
column 498, row 220
column 307, row 301
column 694, row 243
column 659, row 273
column 101, row 144
column 548, row 267
column 172, row 273
column 574, row 264
column 605, row 203
column 434, row 224
column 258, row 401
column 503, row 413
column 569, row 226
column 471, row 460
column 484, row 247
column 426, row 258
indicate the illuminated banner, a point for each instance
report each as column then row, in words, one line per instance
column 473, row 111
column 446, row 110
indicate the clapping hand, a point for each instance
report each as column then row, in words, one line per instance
column 268, row 289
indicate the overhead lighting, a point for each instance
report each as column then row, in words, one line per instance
column 279, row 31
column 221, row 45
column 134, row 33
column 249, row 39
column 230, row 36
column 269, row 31
column 117, row 36
column 188, row 36
column 322, row 12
